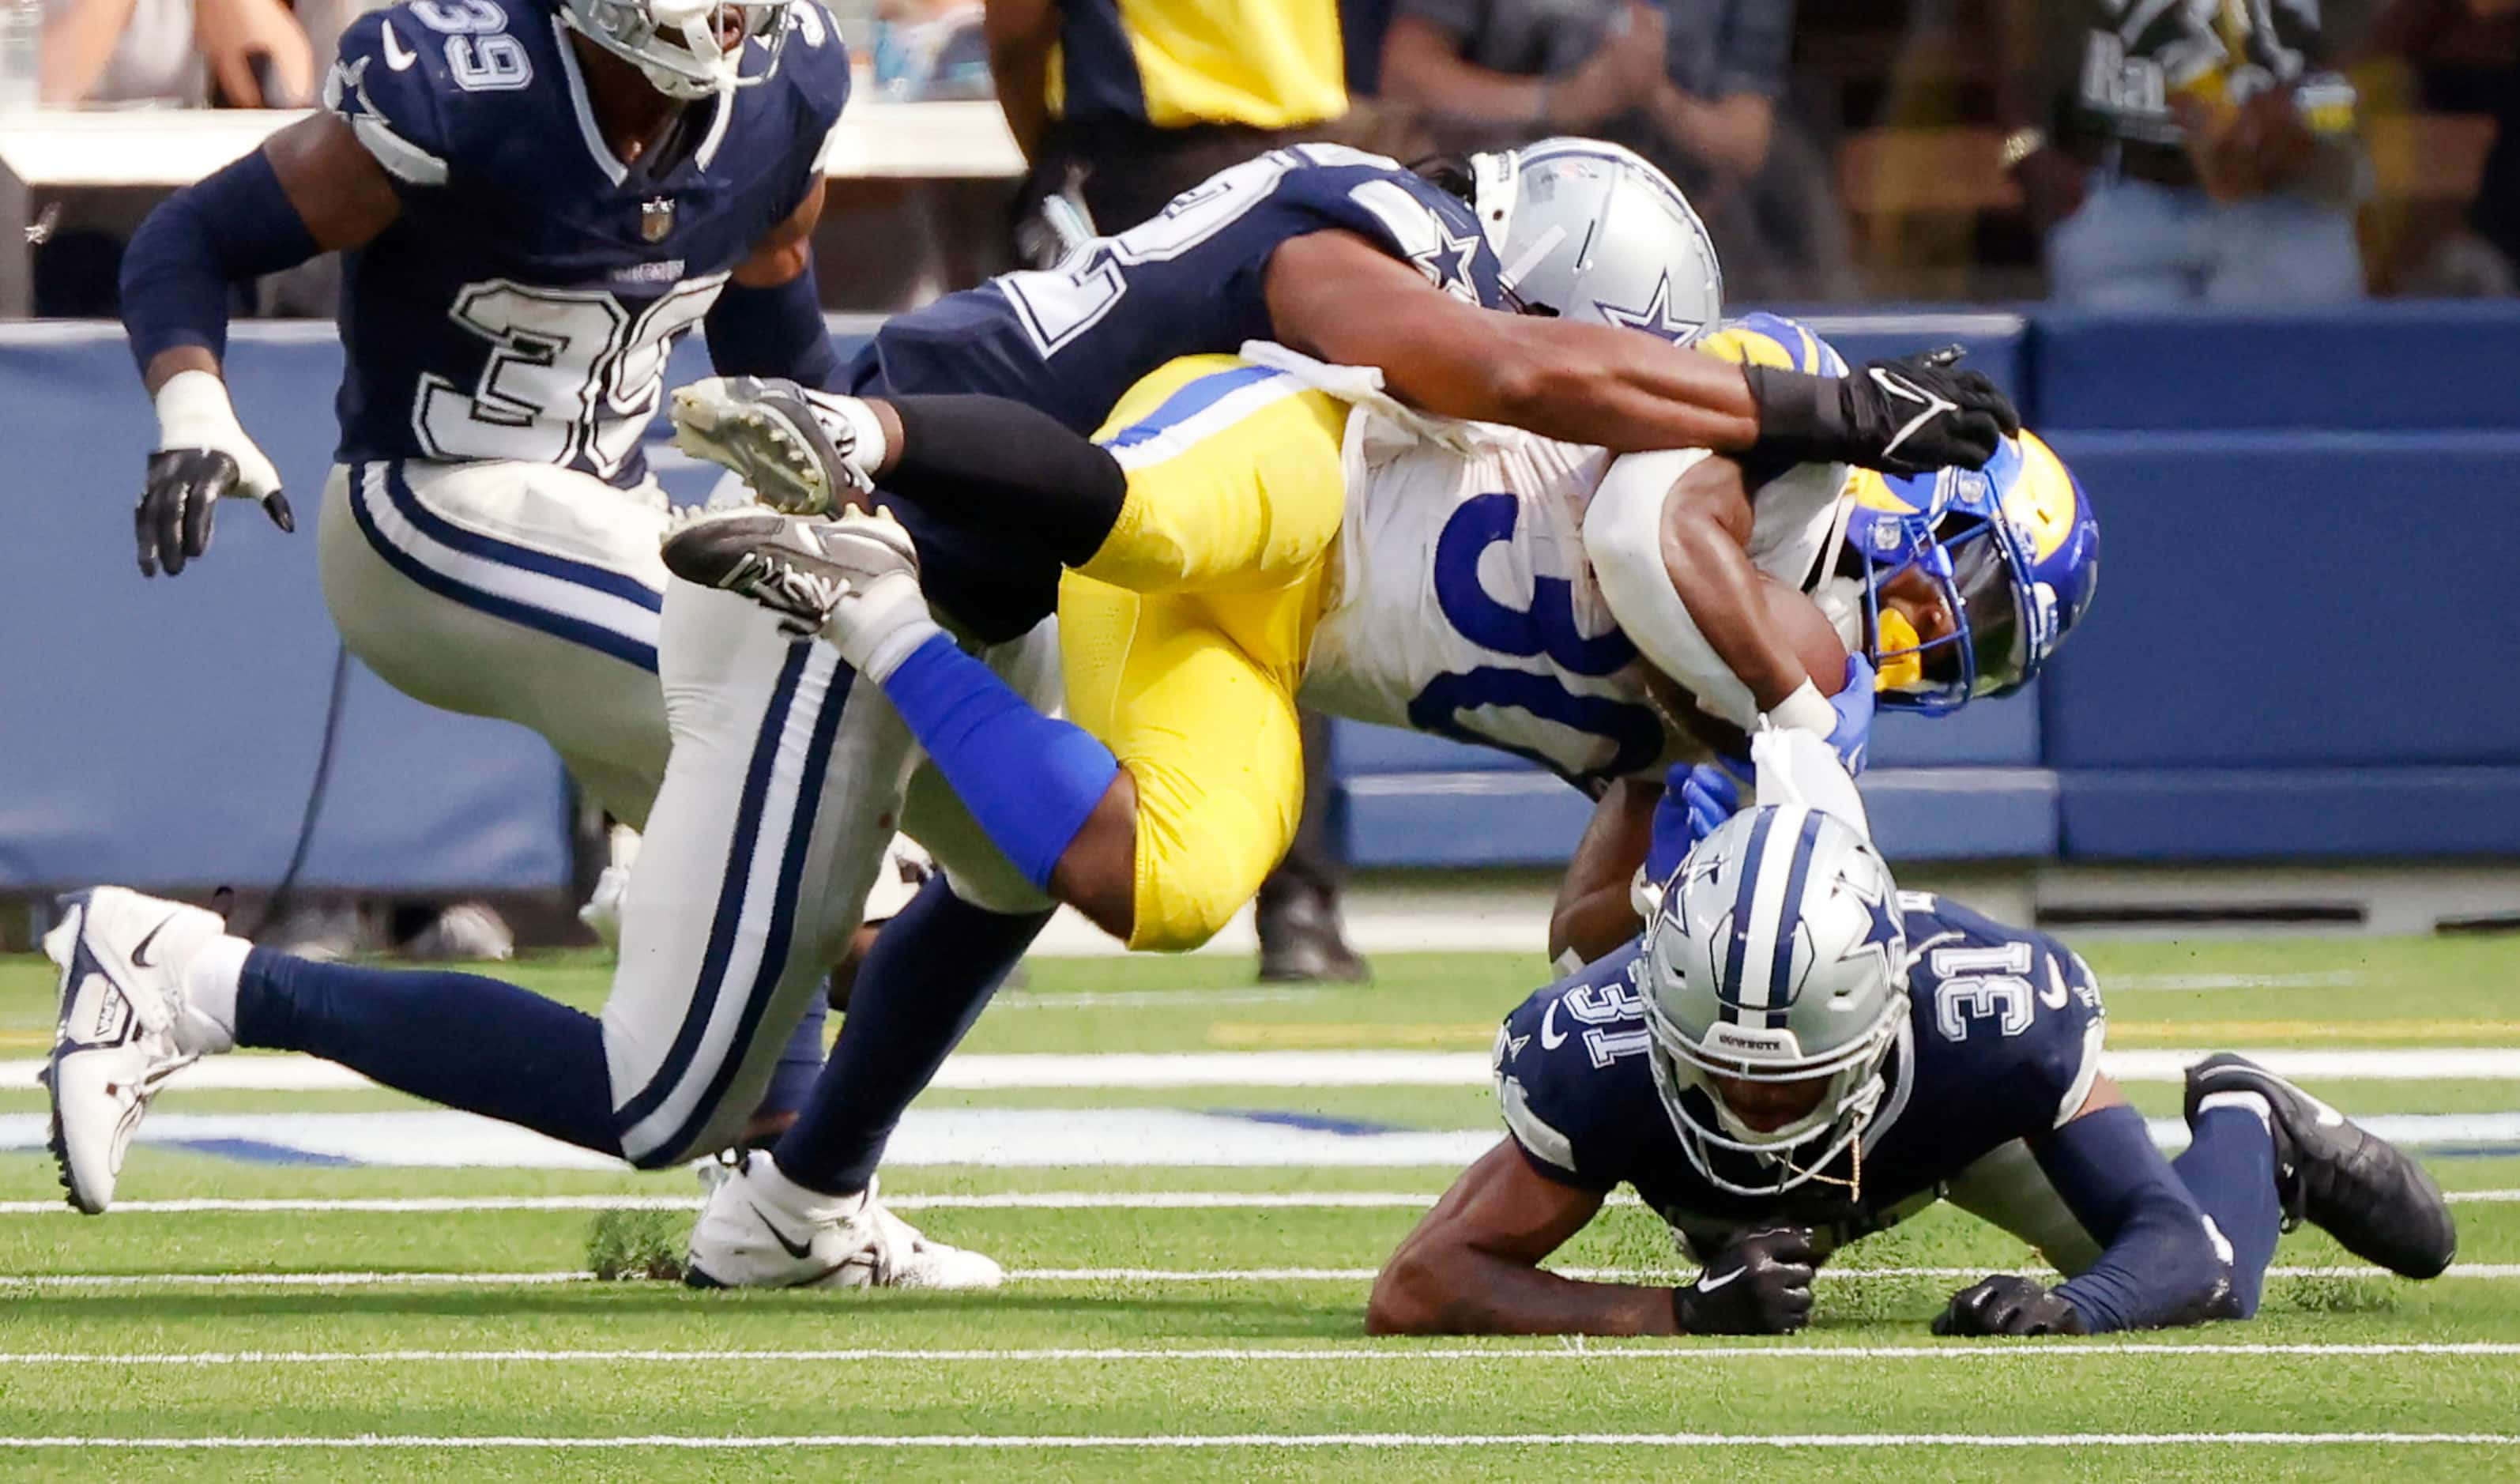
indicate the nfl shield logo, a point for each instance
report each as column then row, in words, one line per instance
column 656, row 218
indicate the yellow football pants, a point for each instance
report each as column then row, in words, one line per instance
column 1184, row 638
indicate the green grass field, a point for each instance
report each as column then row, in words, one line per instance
column 1170, row 1320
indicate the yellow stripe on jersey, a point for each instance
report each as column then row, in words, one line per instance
column 1268, row 63
column 1184, row 638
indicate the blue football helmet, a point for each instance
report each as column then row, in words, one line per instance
column 2012, row 549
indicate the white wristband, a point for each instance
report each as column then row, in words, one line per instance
column 1806, row 708
column 194, row 412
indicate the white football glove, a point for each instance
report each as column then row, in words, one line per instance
column 202, row 456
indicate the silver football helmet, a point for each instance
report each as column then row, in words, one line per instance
column 1778, row 956
column 695, row 49
column 1590, row 230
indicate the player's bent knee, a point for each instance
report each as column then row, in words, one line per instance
column 1186, row 896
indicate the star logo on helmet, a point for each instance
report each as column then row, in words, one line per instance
column 1446, row 261
column 1881, row 931
column 1655, row 318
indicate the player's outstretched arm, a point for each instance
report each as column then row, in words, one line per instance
column 1472, row 1267
column 1596, row 909
column 311, row 188
column 1336, row 295
column 1473, row 1264
column 2158, row 1263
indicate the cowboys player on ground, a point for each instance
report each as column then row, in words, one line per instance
column 1796, row 1054
column 534, row 201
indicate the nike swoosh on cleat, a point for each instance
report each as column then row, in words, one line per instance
column 140, row 954
column 799, row 1250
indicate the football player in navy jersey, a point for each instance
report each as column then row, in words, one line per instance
column 1796, row 1054
column 535, row 199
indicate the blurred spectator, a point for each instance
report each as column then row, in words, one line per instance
column 149, row 50
column 931, row 50
column 1691, row 85
column 133, row 51
column 1120, row 107
column 1123, row 107
column 2464, row 56
column 2184, row 154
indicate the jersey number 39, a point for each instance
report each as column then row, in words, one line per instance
column 572, row 379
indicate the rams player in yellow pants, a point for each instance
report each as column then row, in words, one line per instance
column 1259, row 528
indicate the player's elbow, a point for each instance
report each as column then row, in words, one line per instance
column 1408, row 1295
column 2194, row 1279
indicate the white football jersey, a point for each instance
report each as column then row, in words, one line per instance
column 1465, row 606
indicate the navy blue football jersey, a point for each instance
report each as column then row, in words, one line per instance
column 1070, row 340
column 2002, row 1043
column 523, row 303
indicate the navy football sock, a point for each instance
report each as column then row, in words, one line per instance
column 462, row 1040
column 801, row 1062
column 2230, row 1170
column 931, row 971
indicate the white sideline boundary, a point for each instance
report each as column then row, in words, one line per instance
column 1003, row 1201
column 1663, row 1352
column 2494, row 1272
column 1308, row 1440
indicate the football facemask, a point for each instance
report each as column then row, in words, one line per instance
column 1778, row 957
column 2010, row 552
column 691, row 49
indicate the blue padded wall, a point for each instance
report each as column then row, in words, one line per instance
column 164, row 732
column 2395, row 367
column 2293, row 599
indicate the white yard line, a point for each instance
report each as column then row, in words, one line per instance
column 1184, row 1276
column 1241, row 1353
column 2118, row 983
column 1001, row 1200
column 715, row 1442
column 1369, row 1068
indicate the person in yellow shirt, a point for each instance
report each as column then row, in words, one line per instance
column 1122, row 105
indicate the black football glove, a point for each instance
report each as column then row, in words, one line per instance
column 183, row 490
column 2009, row 1304
column 1904, row 417
column 1758, row 1284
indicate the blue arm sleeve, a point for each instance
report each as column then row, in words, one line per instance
column 235, row 224
column 774, row 332
column 2160, row 1264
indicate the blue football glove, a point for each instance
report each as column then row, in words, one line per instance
column 1697, row 801
column 1854, row 707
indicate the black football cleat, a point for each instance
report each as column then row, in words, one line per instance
column 2350, row 1183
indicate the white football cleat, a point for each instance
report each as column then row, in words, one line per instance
column 122, row 956
column 751, row 1236
column 855, row 579
column 602, row 912
column 800, row 450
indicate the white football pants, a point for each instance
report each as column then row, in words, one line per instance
column 766, row 782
